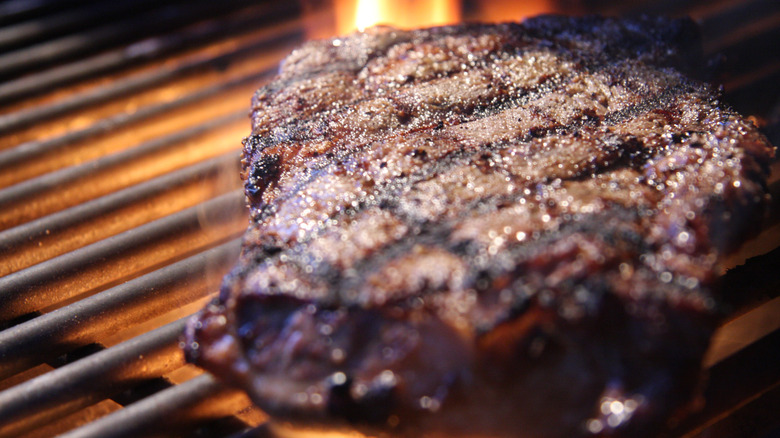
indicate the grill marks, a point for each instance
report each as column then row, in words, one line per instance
column 322, row 148
column 384, row 191
column 317, row 164
column 417, row 229
column 319, row 143
column 507, row 83
column 439, row 151
column 311, row 123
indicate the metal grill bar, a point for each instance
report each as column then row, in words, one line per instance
column 79, row 287
column 68, row 275
column 143, row 50
column 762, row 359
column 753, row 418
column 735, row 17
column 39, row 233
column 33, row 31
column 14, row 200
column 87, row 320
column 74, row 386
column 148, row 22
column 202, row 397
column 747, row 50
column 33, row 150
column 16, row 10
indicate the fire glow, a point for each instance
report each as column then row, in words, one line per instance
column 354, row 15
column 405, row 14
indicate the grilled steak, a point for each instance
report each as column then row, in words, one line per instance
column 493, row 230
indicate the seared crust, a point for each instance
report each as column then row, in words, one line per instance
column 485, row 229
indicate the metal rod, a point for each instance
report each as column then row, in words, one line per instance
column 18, row 238
column 55, row 180
column 147, row 49
column 34, row 288
column 15, row 10
column 83, row 212
column 262, row 431
column 150, row 21
column 93, row 378
column 737, row 16
column 755, row 366
column 756, row 417
column 137, row 300
column 161, row 409
column 69, row 19
column 31, row 150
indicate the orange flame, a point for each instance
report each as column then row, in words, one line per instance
column 405, row 14
column 509, row 10
column 351, row 15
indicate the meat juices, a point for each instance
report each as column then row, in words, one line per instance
column 485, row 230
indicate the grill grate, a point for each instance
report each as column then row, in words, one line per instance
column 120, row 209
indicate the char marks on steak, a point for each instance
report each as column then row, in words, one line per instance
column 494, row 230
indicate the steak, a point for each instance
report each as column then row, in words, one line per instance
column 493, row 230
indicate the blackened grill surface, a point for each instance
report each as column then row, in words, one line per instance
column 485, row 229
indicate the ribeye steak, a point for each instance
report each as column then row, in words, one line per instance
column 485, row 230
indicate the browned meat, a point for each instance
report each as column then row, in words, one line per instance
column 493, row 230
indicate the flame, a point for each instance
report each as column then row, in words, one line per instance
column 405, row 14
column 505, row 10
column 339, row 17
column 369, row 13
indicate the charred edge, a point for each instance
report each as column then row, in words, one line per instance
column 264, row 172
column 258, row 143
column 634, row 37
column 418, row 37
